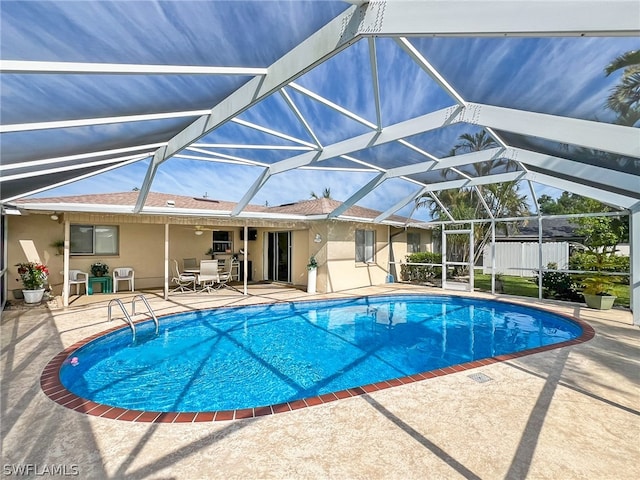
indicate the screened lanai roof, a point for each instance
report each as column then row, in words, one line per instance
column 262, row 102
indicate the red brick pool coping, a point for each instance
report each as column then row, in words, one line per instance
column 53, row 388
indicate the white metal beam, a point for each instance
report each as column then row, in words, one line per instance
column 80, row 156
column 303, row 121
column 470, row 182
column 609, row 198
column 500, row 18
column 583, row 173
column 257, row 185
column 427, row 67
column 68, row 181
column 634, row 241
column 87, row 122
column 20, row 66
column 75, row 166
column 335, row 36
column 373, row 61
column 597, row 135
column 332, row 105
column 359, row 195
column 401, row 204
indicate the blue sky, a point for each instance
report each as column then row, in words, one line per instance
column 562, row 76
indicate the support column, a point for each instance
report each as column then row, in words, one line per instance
column 443, row 251
column 166, row 261
column 540, row 266
column 472, row 255
column 634, row 279
column 65, row 264
column 245, row 261
column 493, row 257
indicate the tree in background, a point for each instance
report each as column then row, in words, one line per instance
column 326, row 193
column 502, row 199
column 601, row 234
column 625, row 97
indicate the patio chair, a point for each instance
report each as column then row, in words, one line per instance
column 77, row 278
column 210, row 278
column 184, row 281
column 189, row 263
column 122, row 274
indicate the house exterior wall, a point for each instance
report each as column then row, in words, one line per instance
column 342, row 271
column 142, row 240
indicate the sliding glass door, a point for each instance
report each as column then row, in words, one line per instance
column 279, row 256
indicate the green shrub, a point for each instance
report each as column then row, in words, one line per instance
column 558, row 285
column 588, row 261
column 420, row 273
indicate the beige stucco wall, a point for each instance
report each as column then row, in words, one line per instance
column 142, row 243
column 342, row 272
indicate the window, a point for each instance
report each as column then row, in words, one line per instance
column 365, row 243
column 94, row 240
column 221, row 242
column 413, row 242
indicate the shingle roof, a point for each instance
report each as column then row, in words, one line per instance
column 320, row 206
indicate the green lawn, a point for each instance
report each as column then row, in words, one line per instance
column 525, row 287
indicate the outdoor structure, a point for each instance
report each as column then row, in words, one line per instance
column 369, row 94
column 276, row 242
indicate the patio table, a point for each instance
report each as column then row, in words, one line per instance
column 105, row 282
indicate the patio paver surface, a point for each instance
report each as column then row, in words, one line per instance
column 566, row 413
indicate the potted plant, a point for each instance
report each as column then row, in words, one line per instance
column 33, row 276
column 99, row 269
column 312, row 267
column 59, row 246
column 597, row 288
column 597, row 292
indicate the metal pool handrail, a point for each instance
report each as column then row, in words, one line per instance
column 149, row 309
column 126, row 315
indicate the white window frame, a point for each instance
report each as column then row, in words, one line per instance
column 95, row 250
column 365, row 246
column 413, row 246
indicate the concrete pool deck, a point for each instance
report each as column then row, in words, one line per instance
column 566, row 413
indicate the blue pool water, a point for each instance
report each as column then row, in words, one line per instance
column 232, row 358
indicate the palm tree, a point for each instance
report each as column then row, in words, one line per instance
column 625, row 97
column 469, row 142
column 502, row 200
column 325, row 194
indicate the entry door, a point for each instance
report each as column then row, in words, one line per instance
column 278, row 256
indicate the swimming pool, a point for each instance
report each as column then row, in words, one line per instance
column 244, row 358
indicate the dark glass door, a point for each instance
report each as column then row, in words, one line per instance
column 278, row 256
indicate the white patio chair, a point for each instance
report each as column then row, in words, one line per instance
column 184, row 282
column 190, row 263
column 210, row 277
column 77, row 278
column 122, row 274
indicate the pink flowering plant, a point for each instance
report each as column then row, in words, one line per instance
column 33, row 275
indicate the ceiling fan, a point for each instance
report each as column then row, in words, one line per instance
column 200, row 229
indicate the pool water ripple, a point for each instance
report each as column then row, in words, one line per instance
column 246, row 357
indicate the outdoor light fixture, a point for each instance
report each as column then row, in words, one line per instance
column 198, row 232
column 54, row 216
column 318, row 238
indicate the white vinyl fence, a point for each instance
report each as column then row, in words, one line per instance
column 521, row 258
